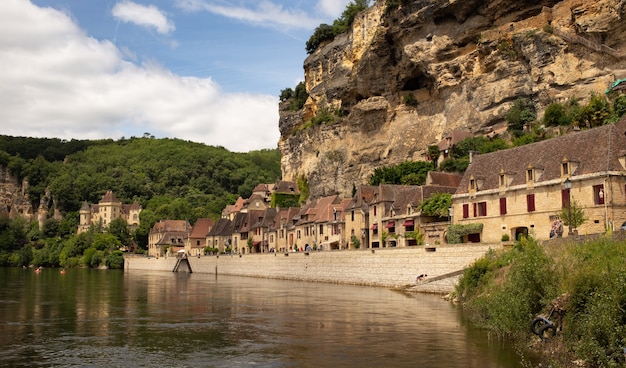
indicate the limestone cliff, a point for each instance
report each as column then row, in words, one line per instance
column 465, row 62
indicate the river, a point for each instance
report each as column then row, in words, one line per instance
column 98, row 318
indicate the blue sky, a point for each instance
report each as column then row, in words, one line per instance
column 208, row 71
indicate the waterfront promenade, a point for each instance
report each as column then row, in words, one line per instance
column 387, row 267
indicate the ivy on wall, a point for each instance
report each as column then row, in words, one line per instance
column 456, row 232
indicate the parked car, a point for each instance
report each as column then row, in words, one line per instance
column 623, row 227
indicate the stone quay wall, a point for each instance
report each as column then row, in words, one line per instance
column 387, row 267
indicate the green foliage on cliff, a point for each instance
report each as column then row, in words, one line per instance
column 325, row 32
column 296, row 97
column 522, row 113
column 505, row 290
column 406, row 173
column 284, row 200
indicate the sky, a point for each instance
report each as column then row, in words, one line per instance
column 207, row 71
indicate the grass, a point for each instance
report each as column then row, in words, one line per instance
column 504, row 290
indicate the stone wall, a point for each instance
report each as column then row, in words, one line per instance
column 378, row 267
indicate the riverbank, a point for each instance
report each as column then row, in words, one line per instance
column 387, row 267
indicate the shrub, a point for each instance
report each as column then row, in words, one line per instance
column 409, row 100
column 505, row 302
column 595, row 279
column 456, row 232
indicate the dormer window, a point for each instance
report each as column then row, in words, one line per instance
column 530, row 175
column 472, row 185
column 565, row 169
column 502, row 180
column 568, row 167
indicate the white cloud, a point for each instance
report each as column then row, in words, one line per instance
column 57, row 82
column 332, row 8
column 265, row 13
column 147, row 16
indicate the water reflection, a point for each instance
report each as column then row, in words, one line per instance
column 109, row 318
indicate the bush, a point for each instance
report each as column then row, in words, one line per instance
column 506, row 304
column 115, row 260
column 556, row 115
column 595, row 279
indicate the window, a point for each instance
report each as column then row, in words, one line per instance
column 503, row 206
column 197, row 242
column 598, row 194
column 352, row 216
column 502, row 180
column 472, row 184
column 321, row 229
column 530, row 202
column 374, row 210
column 466, row 210
column 480, row 209
column 565, row 168
column 529, row 175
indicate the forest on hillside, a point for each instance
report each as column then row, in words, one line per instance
column 169, row 178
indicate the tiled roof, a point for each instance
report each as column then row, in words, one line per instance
column 363, row 196
column 109, row 197
column 223, row 227
column 592, row 151
column 201, row 228
column 443, row 178
column 170, row 225
column 168, row 236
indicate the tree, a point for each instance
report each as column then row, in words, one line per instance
column 322, row 33
column 619, row 106
column 521, row 113
column 556, row 115
column 356, row 242
column 325, row 32
column 119, row 229
column 596, row 113
column 575, row 212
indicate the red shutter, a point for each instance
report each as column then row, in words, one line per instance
column 564, row 198
column 530, row 202
column 466, row 210
column 503, row 206
column 475, row 210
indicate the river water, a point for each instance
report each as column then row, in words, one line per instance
column 97, row 318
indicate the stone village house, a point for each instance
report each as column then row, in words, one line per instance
column 521, row 190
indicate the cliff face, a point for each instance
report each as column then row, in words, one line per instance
column 465, row 62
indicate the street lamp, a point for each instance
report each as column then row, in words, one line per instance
column 568, row 186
